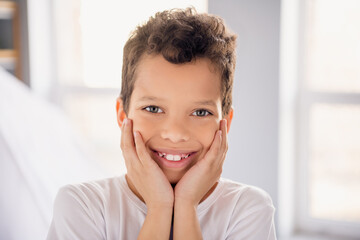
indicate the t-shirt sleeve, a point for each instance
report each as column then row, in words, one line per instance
column 253, row 217
column 74, row 217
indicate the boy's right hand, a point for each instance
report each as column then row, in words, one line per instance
column 144, row 173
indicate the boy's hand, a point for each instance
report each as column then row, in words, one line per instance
column 196, row 182
column 146, row 176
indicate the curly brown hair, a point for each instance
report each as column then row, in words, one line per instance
column 181, row 36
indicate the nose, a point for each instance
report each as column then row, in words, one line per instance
column 175, row 130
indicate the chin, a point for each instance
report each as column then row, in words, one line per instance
column 174, row 178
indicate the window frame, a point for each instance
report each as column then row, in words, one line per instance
column 307, row 98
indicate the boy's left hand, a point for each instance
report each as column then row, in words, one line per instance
column 199, row 179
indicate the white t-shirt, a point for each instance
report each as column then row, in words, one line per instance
column 108, row 209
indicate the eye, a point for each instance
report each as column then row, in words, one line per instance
column 153, row 109
column 201, row 113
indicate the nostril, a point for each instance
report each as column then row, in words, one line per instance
column 175, row 136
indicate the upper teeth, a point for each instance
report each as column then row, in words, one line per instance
column 172, row 157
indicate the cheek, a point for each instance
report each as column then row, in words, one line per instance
column 201, row 131
column 144, row 126
column 205, row 133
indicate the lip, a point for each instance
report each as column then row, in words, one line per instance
column 173, row 151
column 173, row 164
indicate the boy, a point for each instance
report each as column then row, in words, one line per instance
column 174, row 112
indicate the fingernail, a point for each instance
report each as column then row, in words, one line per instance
column 220, row 132
column 126, row 121
column 224, row 123
column 136, row 134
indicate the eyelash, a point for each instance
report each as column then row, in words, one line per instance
column 148, row 109
column 207, row 112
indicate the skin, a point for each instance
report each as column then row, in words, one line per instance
column 174, row 107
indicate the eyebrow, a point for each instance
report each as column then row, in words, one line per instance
column 152, row 98
column 207, row 102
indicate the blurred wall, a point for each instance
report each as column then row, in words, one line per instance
column 253, row 138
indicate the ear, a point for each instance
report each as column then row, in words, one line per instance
column 120, row 114
column 229, row 118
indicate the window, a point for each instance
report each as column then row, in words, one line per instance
column 329, row 118
column 90, row 36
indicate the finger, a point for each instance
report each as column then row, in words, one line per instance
column 224, row 143
column 223, row 128
column 127, row 144
column 213, row 153
column 141, row 151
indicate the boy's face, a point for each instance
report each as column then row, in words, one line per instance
column 177, row 110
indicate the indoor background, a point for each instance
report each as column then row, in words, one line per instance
column 296, row 127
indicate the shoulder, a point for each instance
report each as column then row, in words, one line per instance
column 246, row 198
column 85, row 189
column 251, row 211
column 86, row 195
column 79, row 210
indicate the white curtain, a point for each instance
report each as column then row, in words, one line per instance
column 39, row 153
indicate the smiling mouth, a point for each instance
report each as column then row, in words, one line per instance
column 173, row 157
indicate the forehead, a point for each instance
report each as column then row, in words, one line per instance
column 195, row 80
